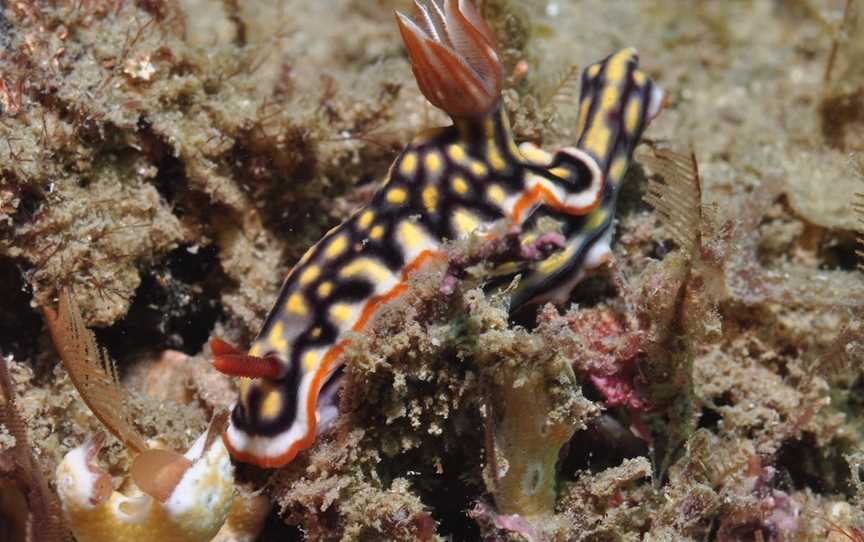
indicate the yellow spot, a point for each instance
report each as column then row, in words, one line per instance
column 496, row 194
column 465, row 222
column 336, row 247
column 631, row 115
column 310, row 361
column 396, row 195
column 309, row 274
column 408, row 164
column 560, row 172
column 366, row 218
column 456, row 153
column 535, row 154
column 271, row 405
column 639, row 77
column 478, row 169
column 368, row 267
column 410, row 235
column 616, row 172
column 316, row 332
column 376, row 233
column 325, row 288
column 433, row 162
column 459, row 185
column 341, row 312
column 593, row 70
column 430, row 198
column 255, row 351
column 296, row 304
column 495, row 159
column 276, row 337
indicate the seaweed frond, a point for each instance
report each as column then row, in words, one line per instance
column 45, row 523
column 92, row 371
column 675, row 192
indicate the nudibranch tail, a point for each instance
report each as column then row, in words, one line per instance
column 616, row 104
column 453, row 56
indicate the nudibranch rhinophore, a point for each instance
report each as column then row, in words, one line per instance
column 188, row 499
column 449, row 183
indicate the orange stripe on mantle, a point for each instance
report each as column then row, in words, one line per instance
column 327, row 361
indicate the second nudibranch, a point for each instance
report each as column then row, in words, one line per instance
column 467, row 178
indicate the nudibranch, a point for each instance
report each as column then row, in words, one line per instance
column 616, row 104
column 174, row 497
column 449, row 183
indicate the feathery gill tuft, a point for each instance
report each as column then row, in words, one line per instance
column 453, row 56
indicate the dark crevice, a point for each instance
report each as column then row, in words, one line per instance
column 822, row 469
column 20, row 324
column 605, row 443
column 175, row 306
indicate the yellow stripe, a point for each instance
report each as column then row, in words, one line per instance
column 495, row 159
column 631, row 115
column 430, row 198
column 368, row 267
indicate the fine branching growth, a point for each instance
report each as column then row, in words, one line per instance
column 18, row 466
column 675, row 192
column 92, row 371
column 858, row 207
column 564, row 87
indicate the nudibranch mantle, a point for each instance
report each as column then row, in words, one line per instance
column 468, row 178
